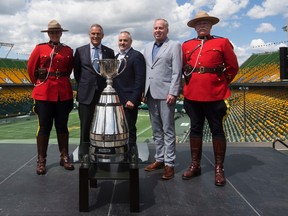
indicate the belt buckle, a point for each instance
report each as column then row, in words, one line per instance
column 201, row 70
column 57, row 74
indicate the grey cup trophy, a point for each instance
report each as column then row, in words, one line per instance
column 109, row 131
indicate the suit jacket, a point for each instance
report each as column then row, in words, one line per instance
column 163, row 76
column 130, row 84
column 88, row 81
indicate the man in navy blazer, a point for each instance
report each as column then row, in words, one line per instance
column 89, row 84
column 163, row 78
column 131, row 82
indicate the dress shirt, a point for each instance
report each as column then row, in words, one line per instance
column 122, row 55
column 92, row 51
column 155, row 50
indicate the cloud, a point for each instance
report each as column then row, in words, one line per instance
column 259, row 45
column 226, row 9
column 265, row 27
column 242, row 54
column 26, row 21
column 268, row 8
column 22, row 20
column 9, row 7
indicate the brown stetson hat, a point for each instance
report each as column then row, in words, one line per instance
column 202, row 16
column 53, row 25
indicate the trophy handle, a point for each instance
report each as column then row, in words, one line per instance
column 96, row 59
column 125, row 64
column 98, row 72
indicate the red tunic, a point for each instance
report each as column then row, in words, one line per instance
column 55, row 87
column 210, row 86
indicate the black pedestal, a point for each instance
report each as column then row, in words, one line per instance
column 89, row 173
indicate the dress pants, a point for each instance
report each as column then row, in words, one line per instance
column 131, row 117
column 86, row 114
column 49, row 111
column 163, row 126
column 214, row 111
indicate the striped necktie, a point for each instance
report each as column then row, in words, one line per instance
column 96, row 56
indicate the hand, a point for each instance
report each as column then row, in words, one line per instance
column 171, row 99
column 129, row 105
column 144, row 100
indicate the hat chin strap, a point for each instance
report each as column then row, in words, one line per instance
column 207, row 37
column 54, row 43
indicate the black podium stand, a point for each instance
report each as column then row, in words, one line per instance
column 90, row 172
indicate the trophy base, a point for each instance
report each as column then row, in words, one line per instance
column 108, row 155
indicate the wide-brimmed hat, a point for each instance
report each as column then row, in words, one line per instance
column 202, row 16
column 53, row 25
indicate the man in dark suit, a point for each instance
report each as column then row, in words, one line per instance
column 130, row 83
column 89, row 83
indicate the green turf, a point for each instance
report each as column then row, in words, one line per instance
column 26, row 127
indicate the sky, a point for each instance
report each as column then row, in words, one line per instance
column 252, row 26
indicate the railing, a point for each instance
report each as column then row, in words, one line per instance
column 282, row 142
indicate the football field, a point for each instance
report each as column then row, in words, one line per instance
column 22, row 129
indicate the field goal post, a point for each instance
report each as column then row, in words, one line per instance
column 7, row 45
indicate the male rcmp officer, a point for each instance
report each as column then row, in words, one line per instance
column 209, row 64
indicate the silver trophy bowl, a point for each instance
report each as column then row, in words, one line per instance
column 109, row 131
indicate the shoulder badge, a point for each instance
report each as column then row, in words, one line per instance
column 65, row 45
column 190, row 40
column 215, row 36
column 42, row 44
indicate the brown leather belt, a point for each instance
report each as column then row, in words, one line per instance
column 59, row 74
column 206, row 70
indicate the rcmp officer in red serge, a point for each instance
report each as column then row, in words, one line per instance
column 209, row 65
column 49, row 67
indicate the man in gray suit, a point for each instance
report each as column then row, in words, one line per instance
column 163, row 78
column 89, row 84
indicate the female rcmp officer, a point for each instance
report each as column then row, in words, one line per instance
column 49, row 67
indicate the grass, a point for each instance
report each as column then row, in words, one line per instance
column 25, row 127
